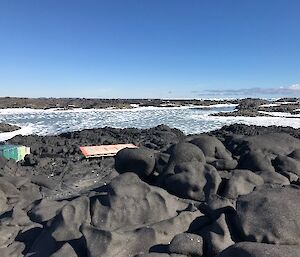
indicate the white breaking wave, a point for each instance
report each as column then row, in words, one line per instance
column 27, row 130
column 189, row 119
column 281, row 114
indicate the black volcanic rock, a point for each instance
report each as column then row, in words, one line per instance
column 256, row 161
column 130, row 202
column 228, row 131
column 193, row 180
column 117, row 243
column 181, row 153
column 88, row 103
column 187, row 244
column 58, row 203
column 287, row 164
column 30, row 160
column 250, row 249
column 270, row 215
column 215, row 152
column 64, row 251
column 242, row 182
column 138, row 160
column 217, row 236
column 4, row 127
column 253, row 107
column 270, row 177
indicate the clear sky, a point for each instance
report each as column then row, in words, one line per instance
column 149, row 48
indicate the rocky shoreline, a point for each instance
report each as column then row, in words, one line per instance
column 86, row 103
column 248, row 107
column 4, row 127
column 230, row 192
column 251, row 107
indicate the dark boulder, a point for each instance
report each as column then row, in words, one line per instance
column 287, row 164
column 138, row 160
column 30, row 160
column 250, row 249
column 193, row 180
column 295, row 154
column 256, row 161
column 187, row 244
column 129, row 202
column 270, row 215
column 182, row 153
column 215, row 152
column 65, row 251
column 217, row 236
column 271, row 177
column 117, row 243
column 242, row 182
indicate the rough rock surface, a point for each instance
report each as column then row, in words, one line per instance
column 4, row 127
column 249, row 249
column 270, row 215
column 241, row 182
column 232, row 192
column 193, row 180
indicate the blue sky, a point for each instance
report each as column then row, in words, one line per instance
column 149, row 48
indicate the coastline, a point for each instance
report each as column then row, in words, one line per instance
column 183, row 117
column 151, row 192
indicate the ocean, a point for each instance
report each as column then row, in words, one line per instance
column 188, row 119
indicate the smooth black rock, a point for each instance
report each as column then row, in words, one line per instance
column 241, row 182
column 249, row 249
column 138, row 160
column 193, row 180
column 182, row 153
column 217, row 236
column 287, row 164
column 270, row 215
column 215, row 152
column 187, row 244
